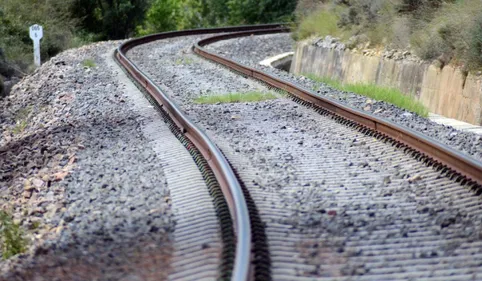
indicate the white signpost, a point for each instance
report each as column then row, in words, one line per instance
column 36, row 33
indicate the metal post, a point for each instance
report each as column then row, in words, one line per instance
column 36, row 33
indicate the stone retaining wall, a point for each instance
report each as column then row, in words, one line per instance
column 445, row 91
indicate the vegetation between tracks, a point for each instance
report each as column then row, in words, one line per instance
column 390, row 95
column 252, row 96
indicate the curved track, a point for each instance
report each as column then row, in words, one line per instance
column 458, row 166
column 215, row 160
column 432, row 151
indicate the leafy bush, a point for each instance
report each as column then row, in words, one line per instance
column 448, row 35
column 420, row 6
column 322, row 22
column 163, row 15
column 347, row 18
column 474, row 54
column 446, row 30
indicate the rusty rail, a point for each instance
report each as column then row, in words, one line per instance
column 466, row 168
column 443, row 156
column 216, row 161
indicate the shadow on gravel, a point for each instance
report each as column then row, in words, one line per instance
column 34, row 152
column 131, row 260
column 134, row 245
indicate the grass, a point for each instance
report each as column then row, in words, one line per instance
column 21, row 120
column 12, row 236
column 252, row 96
column 89, row 63
column 184, row 61
column 389, row 95
column 20, row 126
column 35, row 225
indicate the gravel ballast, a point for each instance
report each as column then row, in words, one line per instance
column 83, row 173
column 336, row 203
column 81, row 177
column 251, row 50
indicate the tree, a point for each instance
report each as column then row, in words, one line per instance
column 166, row 15
column 110, row 19
column 264, row 11
column 163, row 15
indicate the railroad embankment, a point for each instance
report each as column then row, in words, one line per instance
column 443, row 89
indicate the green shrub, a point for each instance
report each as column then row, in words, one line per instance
column 474, row 55
column 450, row 34
column 163, row 15
column 347, row 18
column 447, row 30
column 322, row 22
column 420, row 7
column 12, row 236
column 401, row 32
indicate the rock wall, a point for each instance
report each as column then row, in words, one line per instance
column 445, row 91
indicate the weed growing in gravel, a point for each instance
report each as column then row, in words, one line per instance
column 23, row 113
column 12, row 236
column 35, row 225
column 21, row 119
column 390, row 95
column 184, row 61
column 283, row 93
column 19, row 126
column 89, row 63
column 252, row 96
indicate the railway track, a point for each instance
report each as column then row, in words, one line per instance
column 377, row 202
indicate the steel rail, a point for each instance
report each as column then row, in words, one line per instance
column 217, row 162
column 469, row 169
